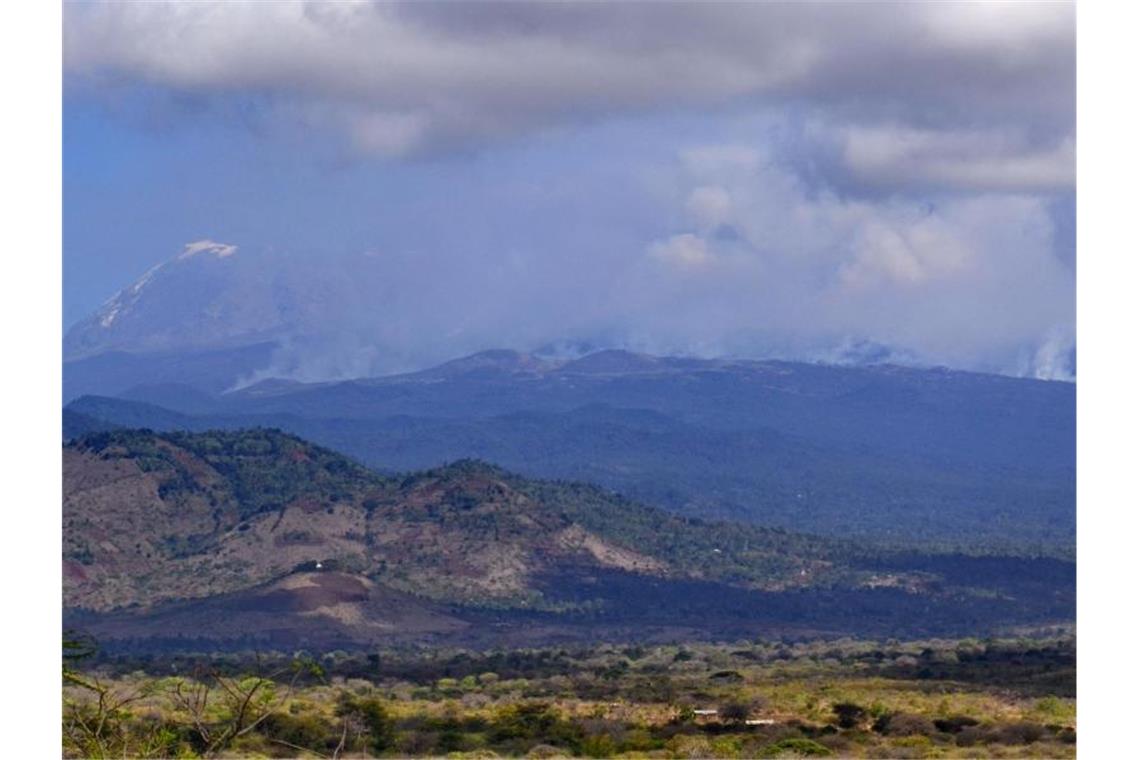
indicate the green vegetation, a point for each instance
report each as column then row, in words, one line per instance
column 890, row 456
column 709, row 549
column 846, row 698
column 160, row 518
column 211, row 535
column 259, row 469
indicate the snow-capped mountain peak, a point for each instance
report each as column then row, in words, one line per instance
column 220, row 250
column 186, row 295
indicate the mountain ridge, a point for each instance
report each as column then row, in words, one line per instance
column 204, row 534
column 883, row 453
column 237, row 483
column 178, row 533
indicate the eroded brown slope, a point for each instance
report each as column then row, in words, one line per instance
column 143, row 527
column 257, row 538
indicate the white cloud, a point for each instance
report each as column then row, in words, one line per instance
column 968, row 281
column 914, row 216
column 905, row 252
column 685, row 251
column 402, row 78
column 709, row 205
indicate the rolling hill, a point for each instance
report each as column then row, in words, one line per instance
column 232, row 538
column 886, row 454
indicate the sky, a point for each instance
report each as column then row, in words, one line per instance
column 813, row 181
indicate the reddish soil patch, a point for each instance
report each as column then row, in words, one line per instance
column 195, row 466
column 74, row 570
column 329, row 589
column 308, row 505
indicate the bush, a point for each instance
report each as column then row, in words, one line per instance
column 735, row 712
column 525, row 721
column 848, row 714
column 800, row 748
column 905, row 724
column 954, row 724
column 374, row 717
column 600, row 745
column 1022, row 732
column 727, row 676
column 970, row 736
column 308, row 731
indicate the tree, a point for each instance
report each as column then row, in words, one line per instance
column 246, row 702
column 848, row 714
column 735, row 712
column 96, row 722
column 372, row 719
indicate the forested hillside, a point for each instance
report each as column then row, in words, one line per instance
column 885, row 454
column 166, row 531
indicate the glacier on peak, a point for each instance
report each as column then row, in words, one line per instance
column 221, row 250
column 126, row 297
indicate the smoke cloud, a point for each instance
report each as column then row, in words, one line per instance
column 859, row 182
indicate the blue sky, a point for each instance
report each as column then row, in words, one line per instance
column 764, row 179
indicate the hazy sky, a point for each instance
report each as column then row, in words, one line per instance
column 699, row 178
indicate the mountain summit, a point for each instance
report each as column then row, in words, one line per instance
column 185, row 302
column 215, row 315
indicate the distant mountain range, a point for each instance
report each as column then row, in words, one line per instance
column 884, row 453
column 727, row 498
column 258, row 538
column 216, row 318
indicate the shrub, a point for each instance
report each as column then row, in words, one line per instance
column 689, row 746
column 372, row 714
column 307, row 730
column 904, row 724
column 848, row 714
column 727, row 676
column 599, row 745
column 1052, row 707
column 735, row 712
column 1022, row 732
column 954, row 724
column 970, row 736
column 797, row 747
